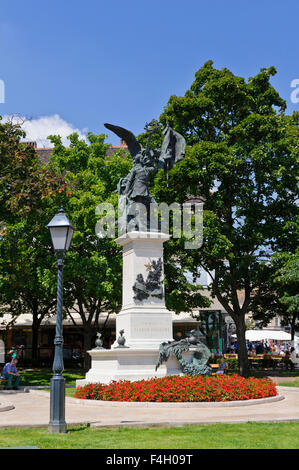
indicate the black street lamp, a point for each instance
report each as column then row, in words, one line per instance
column 61, row 231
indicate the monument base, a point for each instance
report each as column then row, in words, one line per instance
column 129, row 364
column 145, row 323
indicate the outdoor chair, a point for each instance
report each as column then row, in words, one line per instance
column 215, row 367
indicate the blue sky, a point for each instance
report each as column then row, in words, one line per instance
column 118, row 61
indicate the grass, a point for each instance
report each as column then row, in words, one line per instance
column 69, row 392
column 295, row 383
column 43, row 376
column 215, row 436
column 272, row 373
column 219, row 436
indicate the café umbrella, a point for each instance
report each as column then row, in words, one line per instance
column 259, row 335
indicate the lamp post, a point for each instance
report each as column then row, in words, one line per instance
column 61, row 231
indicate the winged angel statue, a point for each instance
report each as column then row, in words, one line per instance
column 133, row 189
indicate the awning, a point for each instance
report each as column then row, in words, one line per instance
column 258, row 335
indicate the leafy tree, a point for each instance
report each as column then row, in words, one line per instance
column 23, row 180
column 25, row 261
column 279, row 295
column 250, row 324
column 241, row 158
column 92, row 273
column 288, row 278
column 25, row 188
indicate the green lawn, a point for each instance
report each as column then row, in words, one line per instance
column 43, row 376
column 69, row 392
column 295, row 383
column 215, row 436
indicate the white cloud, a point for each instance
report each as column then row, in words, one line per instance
column 39, row 129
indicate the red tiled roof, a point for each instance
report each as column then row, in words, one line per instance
column 45, row 153
column 113, row 148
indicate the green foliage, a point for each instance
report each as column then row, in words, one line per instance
column 23, row 181
column 79, row 178
column 242, row 161
column 278, row 295
column 232, row 362
column 25, row 259
column 287, row 278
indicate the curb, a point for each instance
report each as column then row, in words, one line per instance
column 288, row 388
column 6, row 406
column 122, row 404
column 167, row 424
column 164, row 424
column 27, row 388
column 224, row 404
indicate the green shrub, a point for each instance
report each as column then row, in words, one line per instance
column 232, row 362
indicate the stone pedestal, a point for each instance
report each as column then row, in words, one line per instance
column 146, row 323
column 129, row 364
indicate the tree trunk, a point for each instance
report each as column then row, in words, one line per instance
column 34, row 342
column 87, row 337
column 293, row 343
column 242, row 350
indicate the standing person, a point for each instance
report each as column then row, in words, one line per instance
column 10, row 372
column 287, row 360
column 20, row 349
column 14, row 352
column 217, row 353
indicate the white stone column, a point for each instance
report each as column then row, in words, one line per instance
column 146, row 323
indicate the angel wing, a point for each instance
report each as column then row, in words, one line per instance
column 128, row 136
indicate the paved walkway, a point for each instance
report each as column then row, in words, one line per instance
column 32, row 409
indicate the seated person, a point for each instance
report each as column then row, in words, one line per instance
column 10, row 372
column 223, row 366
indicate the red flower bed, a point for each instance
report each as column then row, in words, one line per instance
column 188, row 388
